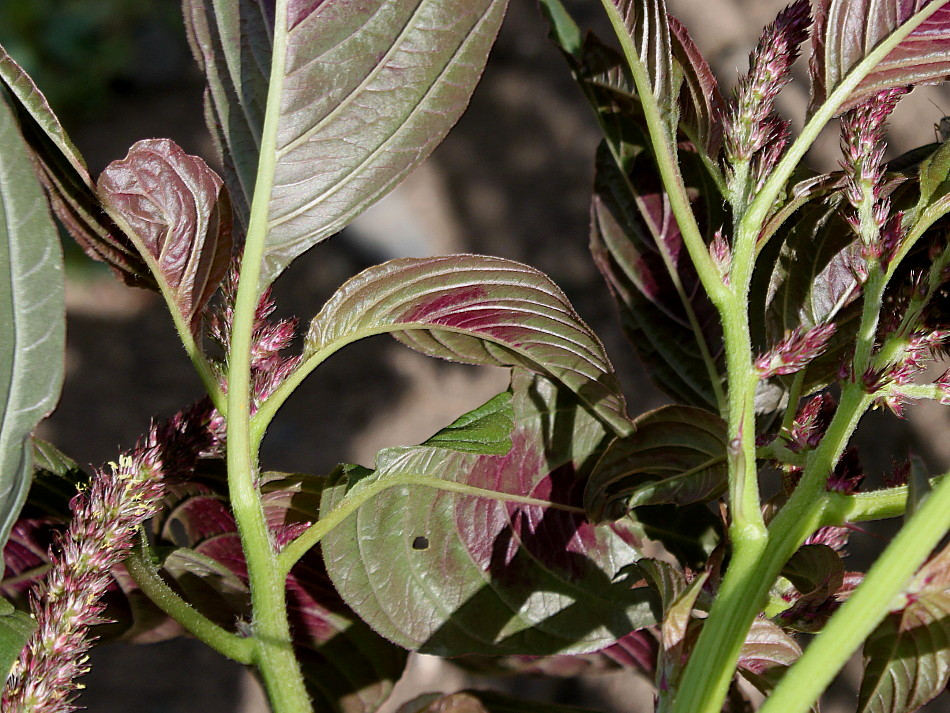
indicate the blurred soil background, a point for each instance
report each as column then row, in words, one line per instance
column 513, row 179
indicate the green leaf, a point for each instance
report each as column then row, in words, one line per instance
column 480, row 702
column 486, row 430
column 454, row 572
column 846, row 31
column 907, row 658
column 175, row 210
column 32, row 317
column 475, row 310
column 15, row 630
column 564, row 31
column 360, row 93
column 676, row 454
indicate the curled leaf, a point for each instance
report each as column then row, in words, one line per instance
column 177, row 213
column 476, row 310
column 63, row 173
column 676, row 454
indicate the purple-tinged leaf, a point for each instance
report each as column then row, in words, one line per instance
column 647, row 24
column 365, row 91
column 766, row 655
column 817, row 573
column 812, row 276
column 177, row 213
column 475, row 310
column 676, row 454
column 451, row 573
column 63, row 173
column 637, row 245
column 846, row 31
column 232, row 43
column 907, row 658
column 767, row 646
column 636, row 651
column 700, row 103
column 480, row 702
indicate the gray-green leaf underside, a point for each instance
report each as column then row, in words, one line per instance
column 32, row 317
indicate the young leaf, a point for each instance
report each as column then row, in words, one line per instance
column 846, row 31
column 177, row 214
column 646, row 23
column 487, row 429
column 64, row 175
column 32, row 317
column 676, row 454
column 451, row 572
column 637, row 245
column 475, row 310
column 907, row 658
column 360, row 94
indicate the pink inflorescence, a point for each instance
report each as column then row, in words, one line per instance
column 799, row 347
column 105, row 519
column 751, row 125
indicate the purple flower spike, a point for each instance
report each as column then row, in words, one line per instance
column 106, row 518
column 748, row 125
column 795, row 351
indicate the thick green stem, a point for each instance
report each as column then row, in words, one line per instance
column 746, row 583
column 194, row 622
column 273, row 652
column 804, row 682
column 744, row 503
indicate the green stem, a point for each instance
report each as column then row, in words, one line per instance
column 194, row 622
column 752, row 572
column 208, row 378
column 663, row 150
column 804, row 682
column 873, row 505
column 273, row 653
column 744, row 504
column 296, row 549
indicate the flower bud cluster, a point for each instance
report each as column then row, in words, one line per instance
column 105, row 519
column 795, row 351
column 269, row 338
column 888, row 382
column 751, row 126
column 862, row 146
column 810, row 423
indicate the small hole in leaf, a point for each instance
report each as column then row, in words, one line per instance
column 420, row 543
